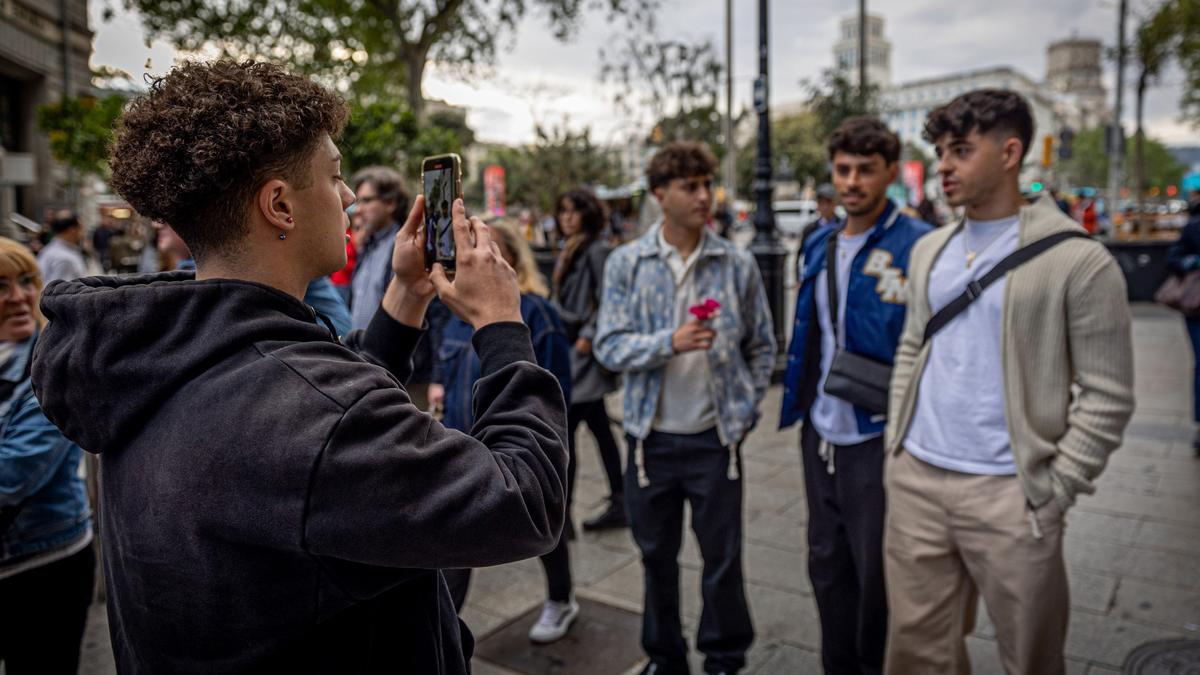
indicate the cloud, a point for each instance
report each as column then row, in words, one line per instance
column 544, row 79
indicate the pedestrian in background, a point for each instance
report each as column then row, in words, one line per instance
column 460, row 371
column 851, row 301
column 380, row 202
column 62, row 258
column 578, row 283
column 693, row 385
column 1006, row 401
column 1184, row 257
column 47, row 565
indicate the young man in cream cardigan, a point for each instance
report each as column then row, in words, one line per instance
column 1005, row 415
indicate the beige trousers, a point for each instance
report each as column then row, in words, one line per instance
column 950, row 537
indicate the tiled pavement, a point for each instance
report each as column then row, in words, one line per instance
column 1132, row 548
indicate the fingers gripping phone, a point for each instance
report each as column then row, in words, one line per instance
column 442, row 179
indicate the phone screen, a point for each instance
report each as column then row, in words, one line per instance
column 440, row 176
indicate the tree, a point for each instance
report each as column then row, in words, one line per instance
column 80, row 130
column 1187, row 21
column 677, row 82
column 1088, row 165
column 795, row 138
column 388, row 133
column 833, row 98
column 377, row 47
column 558, row 160
column 1153, row 45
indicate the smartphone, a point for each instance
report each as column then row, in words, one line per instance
column 441, row 177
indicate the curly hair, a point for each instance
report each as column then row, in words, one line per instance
column 986, row 110
column 864, row 135
column 593, row 215
column 193, row 151
column 680, row 159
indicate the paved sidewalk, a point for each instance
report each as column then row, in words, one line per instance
column 1132, row 548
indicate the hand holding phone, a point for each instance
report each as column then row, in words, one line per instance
column 484, row 289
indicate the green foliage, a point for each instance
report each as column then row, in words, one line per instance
column 375, row 47
column 833, row 98
column 388, row 133
column 794, row 137
column 80, row 130
column 1088, row 165
column 560, row 159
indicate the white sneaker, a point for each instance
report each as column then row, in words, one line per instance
column 556, row 618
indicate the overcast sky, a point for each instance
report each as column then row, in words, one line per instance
column 546, row 80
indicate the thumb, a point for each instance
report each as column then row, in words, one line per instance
column 441, row 284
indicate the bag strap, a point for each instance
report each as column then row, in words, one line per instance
column 831, row 282
column 976, row 287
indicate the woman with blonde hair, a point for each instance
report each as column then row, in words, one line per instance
column 47, row 565
column 460, row 368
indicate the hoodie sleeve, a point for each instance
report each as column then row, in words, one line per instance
column 388, row 343
column 394, row 488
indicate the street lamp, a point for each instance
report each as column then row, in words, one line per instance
column 766, row 249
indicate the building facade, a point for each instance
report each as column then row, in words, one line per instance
column 45, row 47
column 1073, row 68
column 907, row 105
column 879, row 51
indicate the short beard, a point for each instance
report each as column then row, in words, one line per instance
column 871, row 206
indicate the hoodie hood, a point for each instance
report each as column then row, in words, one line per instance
column 117, row 347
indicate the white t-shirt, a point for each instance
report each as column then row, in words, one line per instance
column 959, row 423
column 685, row 405
column 832, row 417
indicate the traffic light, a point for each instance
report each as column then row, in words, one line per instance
column 1064, row 143
column 1047, row 150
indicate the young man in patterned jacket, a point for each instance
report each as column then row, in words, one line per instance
column 692, row 390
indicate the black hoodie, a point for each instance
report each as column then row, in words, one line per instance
column 271, row 501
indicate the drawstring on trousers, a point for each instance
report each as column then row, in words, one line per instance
column 639, row 458
column 826, row 451
column 733, row 464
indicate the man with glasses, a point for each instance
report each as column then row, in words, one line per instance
column 380, row 199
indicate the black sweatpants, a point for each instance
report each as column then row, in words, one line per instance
column 846, row 509
column 690, row 468
column 42, row 615
column 595, row 416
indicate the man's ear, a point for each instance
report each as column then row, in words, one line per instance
column 1012, row 152
column 274, row 203
column 893, row 170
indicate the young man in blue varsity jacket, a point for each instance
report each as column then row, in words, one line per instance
column 841, row 445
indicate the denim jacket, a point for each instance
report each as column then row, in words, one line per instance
column 460, row 367
column 42, row 497
column 637, row 319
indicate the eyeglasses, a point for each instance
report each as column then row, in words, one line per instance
column 367, row 199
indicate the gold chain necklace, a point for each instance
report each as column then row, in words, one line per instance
column 971, row 255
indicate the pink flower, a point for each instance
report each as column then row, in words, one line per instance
column 705, row 310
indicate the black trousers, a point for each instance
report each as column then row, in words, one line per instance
column 596, row 417
column 42, row 615
column 693, row 469
column 845, row 552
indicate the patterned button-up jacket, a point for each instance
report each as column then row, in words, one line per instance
column 637, row 319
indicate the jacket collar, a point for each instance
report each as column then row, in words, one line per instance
column 14, row 370
column 1042, row 218
column 647, row 245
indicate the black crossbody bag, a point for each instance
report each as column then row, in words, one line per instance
column 863, row 381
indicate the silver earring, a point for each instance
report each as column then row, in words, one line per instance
column 282, row 236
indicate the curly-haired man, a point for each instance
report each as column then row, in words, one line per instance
column 273, row 502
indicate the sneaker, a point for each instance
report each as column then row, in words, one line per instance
column 612, row 518
column 556, row 618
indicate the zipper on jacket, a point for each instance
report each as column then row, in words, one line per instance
column 1033, row 521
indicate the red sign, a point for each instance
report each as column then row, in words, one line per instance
column 913, row 176
column 493, row 189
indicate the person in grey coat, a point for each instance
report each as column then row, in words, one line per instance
column 578, row 279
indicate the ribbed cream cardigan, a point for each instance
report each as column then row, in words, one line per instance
column 1066, row 326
